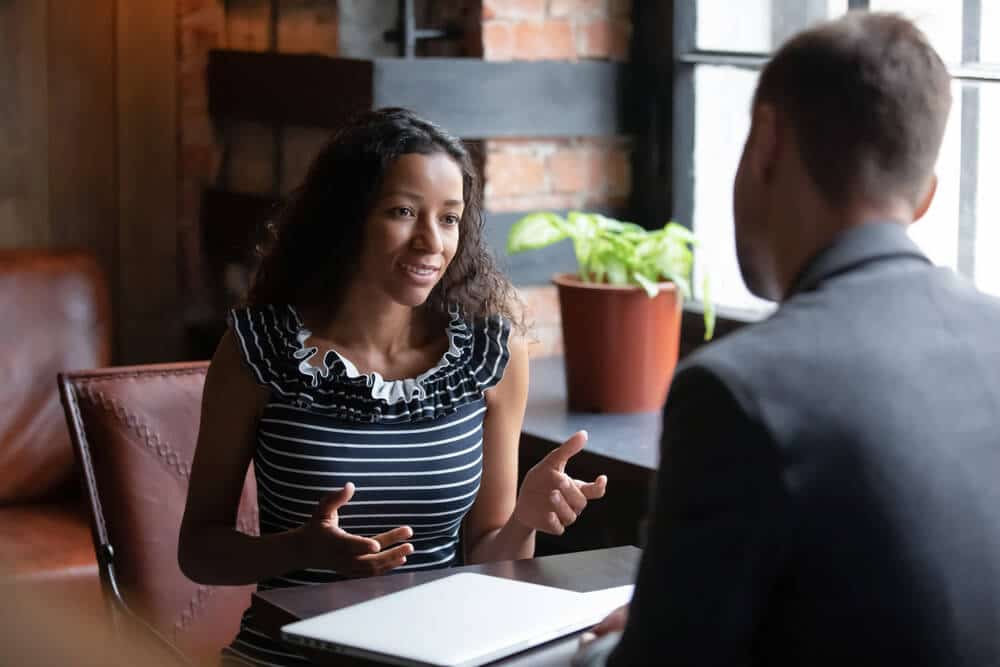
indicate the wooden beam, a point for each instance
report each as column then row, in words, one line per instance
column 479, row 99
column 286, row 89
column 470, row 97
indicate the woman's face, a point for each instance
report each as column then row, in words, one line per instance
column 411, row 234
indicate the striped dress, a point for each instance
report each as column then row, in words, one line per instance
column 413, row 447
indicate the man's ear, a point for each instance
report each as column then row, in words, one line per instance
column 764, row 142
column 928, row 198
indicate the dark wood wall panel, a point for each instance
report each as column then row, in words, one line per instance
column 88, row 139
column 83, row 200
column 23, row 124
column 146, row 73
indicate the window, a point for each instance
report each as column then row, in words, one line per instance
column 718, row 56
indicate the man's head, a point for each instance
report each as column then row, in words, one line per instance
column 847, row 121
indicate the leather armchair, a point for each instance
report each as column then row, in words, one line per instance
column 56, row 316
column 134, row 431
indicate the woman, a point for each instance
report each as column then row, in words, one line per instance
column 373, row 381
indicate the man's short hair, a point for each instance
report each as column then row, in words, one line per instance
column 868, row 98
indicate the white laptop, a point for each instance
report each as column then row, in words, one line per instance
column 458, row 621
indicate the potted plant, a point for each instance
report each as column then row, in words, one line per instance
column 621, row 312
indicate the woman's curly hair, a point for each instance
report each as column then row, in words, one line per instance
column 315, row 241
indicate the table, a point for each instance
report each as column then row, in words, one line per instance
column 582, row 571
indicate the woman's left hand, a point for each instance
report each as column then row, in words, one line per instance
column 550, row 499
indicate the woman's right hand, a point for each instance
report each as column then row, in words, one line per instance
column 326, row 545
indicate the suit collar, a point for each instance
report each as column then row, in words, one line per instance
column 856, row 246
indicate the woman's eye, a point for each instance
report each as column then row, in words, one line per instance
column 451, row 219
column 404, row 211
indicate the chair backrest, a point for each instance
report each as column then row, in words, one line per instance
column 134, row 431
column 56, row 317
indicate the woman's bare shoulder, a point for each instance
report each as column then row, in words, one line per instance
column 230, row 378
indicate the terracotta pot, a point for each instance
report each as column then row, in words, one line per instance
column 620, row 345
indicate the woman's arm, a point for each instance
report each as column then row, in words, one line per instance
column 490, row 532
column 210, row 549
column 502, row 523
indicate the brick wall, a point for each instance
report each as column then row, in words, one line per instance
column 572, row 173
column 305, row 26
column 521, row 175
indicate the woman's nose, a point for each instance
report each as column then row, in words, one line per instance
column 428, row 236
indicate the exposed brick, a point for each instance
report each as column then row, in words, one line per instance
column 580, row 170
column 247, row 27
column 577, row 8
column 308, row 30
column 621, row 40
column 541, row 146
column 541, row 304
column 192, row 85
column 544, row 40
column 620, row 8
column 197, row 158
column 593, row 38
column 513, row 9
column 534, row 202
column 498, row 40
column 185, row 7
column 513, row 173
column 196, row 130
column 619, row 173
column 544, row 323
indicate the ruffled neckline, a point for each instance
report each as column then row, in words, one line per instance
column 273, row 343
column 335, row 365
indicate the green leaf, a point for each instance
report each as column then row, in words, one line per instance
column 683, row 284
column 709, row 306
column 652, row 289
column 623, row 253
column 679, row 233
column 535, row 230
column 617, row 270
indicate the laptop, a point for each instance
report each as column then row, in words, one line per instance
column 462, row 620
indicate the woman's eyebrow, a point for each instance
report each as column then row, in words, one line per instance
column 403, row 193
column 414, row 195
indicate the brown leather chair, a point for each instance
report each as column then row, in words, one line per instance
column 55, row 317
column 134, row 431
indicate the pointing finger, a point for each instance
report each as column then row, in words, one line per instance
column 595, row 489
column 559, row 456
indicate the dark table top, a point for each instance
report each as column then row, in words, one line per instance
column 630, row 438
column 581, row 571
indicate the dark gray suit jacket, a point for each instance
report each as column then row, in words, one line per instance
column 829, row 492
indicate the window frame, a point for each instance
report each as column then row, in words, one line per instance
column 687, row 57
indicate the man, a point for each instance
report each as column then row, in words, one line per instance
column 829, row 491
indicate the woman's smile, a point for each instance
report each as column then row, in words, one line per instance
column 420, row 273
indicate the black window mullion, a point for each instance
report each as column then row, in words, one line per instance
column 685, row 27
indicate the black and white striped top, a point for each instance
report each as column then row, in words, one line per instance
column 412, row 447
